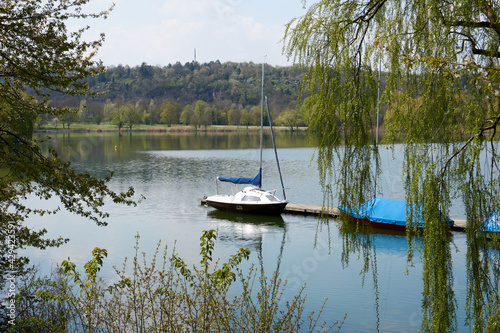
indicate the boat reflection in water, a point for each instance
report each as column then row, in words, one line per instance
column 262, row 220
column 245, row 229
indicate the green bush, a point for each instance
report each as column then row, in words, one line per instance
column 162, row 296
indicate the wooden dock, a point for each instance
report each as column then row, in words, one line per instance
column 302, row 209
column 315, row 210
column 460, row 224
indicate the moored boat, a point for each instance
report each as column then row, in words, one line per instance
column 491, row 227
column 252, row 199
column 383, row 213
column 492, row 224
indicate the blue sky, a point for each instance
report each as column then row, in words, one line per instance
column 160, row 32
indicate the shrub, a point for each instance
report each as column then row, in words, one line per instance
column 162, row 296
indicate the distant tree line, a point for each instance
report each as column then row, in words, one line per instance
column 193, row 94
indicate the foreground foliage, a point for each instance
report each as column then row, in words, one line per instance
column 163, row 295
column 39, row 53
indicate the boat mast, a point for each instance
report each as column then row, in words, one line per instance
column 261, row 123
column 378, row 120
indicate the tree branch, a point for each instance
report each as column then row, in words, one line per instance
column 472, row 24
column 488, row 53
column 489, row 124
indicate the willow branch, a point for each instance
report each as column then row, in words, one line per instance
column 483, row 24
column 488, row 53
column 488, row 125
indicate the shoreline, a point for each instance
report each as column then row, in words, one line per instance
column 83, row 128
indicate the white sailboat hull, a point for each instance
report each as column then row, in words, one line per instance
column 250, row 200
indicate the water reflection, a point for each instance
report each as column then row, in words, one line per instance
column 108, row 145
column 245, row 229
column 257, row 220
column 250, row 230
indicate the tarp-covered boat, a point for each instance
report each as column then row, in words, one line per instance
column 381, row 213
column 492, row 224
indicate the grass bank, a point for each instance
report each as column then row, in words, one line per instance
column 106, row 127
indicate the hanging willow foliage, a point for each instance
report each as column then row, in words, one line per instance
column 441, row 78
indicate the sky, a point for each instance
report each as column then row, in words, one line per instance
column 162, row 32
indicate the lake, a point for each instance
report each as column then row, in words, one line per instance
column 174, row 171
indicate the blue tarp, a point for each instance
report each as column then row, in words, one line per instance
column 492, row 224
column 382, row 210
column 256, row 181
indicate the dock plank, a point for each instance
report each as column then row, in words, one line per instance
column 460, row 224
column 292, row 208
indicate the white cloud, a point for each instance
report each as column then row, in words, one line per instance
column 167, row 31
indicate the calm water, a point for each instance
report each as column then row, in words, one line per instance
column 173, row 172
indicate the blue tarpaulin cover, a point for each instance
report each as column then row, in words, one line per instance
column 492, row 224
column 256, row 181
column 382, row 210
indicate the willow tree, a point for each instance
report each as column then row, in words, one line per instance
column 40, row 55
column 440, row 62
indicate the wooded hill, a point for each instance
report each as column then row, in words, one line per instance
column 192, row 94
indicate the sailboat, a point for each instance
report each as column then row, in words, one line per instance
column 383, row 212
column 252, row 199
